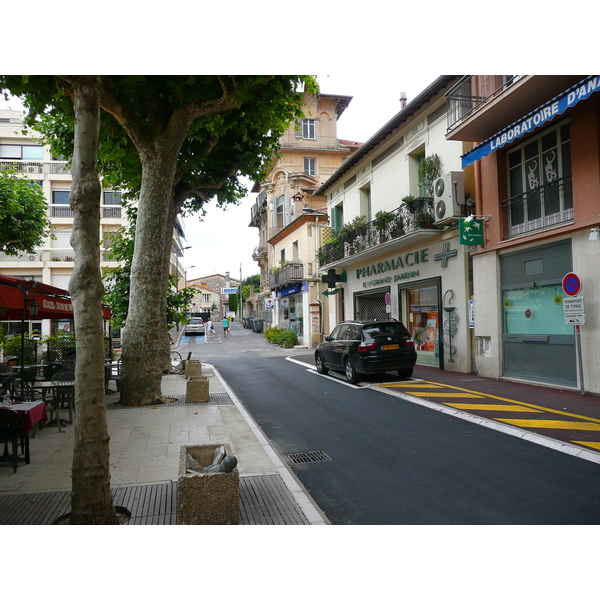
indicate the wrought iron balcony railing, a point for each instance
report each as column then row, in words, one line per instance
column 472, row 92
column 286, row 275
column 408, row 218
column 547, row 205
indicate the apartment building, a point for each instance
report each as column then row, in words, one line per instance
column 292, row 222
column 534, row 150
column 52, row 263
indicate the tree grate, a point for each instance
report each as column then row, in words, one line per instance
column 308, row 457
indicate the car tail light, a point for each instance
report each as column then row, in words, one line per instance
column 364, row 346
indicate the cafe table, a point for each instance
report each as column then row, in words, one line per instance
column 53, row 386
column 32, row 413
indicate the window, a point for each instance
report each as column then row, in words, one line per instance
column 365, row 202
column 310, row 166
column 295, row 252
column 308, row 129
column 60, row 197
column 33, row 153
column 19, row 151
column 539, row 181
column 112, row 198
column 282, row 211
column 206, row 298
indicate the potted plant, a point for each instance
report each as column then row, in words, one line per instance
column 430, row 168
column 409, row 202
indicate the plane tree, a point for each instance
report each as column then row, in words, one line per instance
column 193, row 136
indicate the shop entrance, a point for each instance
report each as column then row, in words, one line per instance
column 371, row 305
column 421, row 316
column 537, row 345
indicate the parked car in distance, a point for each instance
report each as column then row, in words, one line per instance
column 195, row 325
column 358, row 348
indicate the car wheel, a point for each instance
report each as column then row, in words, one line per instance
column 321, row 368
column 350, row 372
column 405, row 373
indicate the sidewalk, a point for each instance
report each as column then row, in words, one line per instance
column 145, row 448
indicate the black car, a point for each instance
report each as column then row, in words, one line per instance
column 363, row 347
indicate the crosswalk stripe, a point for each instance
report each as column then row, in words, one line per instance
column 493, row 407
column 595, row 445
column 446, row 395
column 544, row 424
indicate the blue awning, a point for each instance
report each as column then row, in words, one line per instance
column 536, row 118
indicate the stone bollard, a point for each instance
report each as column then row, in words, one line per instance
column 197, row 389
column 193, row 368
column 207, row 498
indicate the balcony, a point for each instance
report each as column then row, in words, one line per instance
column 416, row 217
column 64, row 211
column 546, row 206
column 479, row 106
column 286, row 275
column 35, row 167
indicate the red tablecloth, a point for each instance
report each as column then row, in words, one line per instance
column 32, row 413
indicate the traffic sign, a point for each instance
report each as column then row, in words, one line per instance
column 571, row 284
column 574, row 311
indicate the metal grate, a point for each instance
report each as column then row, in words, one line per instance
column 308, row 457
column 219, row 399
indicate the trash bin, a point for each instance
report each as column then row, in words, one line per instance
column 249, row 322
column 257, row 325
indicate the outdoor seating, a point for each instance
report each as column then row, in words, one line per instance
column 115, row 374
column 11, row 434
column 63, row 394
column 22, row 386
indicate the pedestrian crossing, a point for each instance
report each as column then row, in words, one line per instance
column 561, row 425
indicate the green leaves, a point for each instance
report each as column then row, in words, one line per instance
column 23, row 221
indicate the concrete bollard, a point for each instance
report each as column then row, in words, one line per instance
column 193, row 368
column 197, row 389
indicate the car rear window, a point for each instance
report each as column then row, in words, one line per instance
column 195, row 321
column 385, row 328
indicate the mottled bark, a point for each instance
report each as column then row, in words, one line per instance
column 143, row 349
column 91, row 501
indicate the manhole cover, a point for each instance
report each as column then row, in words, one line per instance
column 308, row 457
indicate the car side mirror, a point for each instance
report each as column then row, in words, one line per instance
column 327, row 338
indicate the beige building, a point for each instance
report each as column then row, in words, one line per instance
column 292, row 223
column 209, row 297
column 52, row 263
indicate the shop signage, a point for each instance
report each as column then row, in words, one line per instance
column 269, row 303
column 542, row 115
column 470, row 231
column 409, row 259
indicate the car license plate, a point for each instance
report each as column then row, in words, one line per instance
column 391, row 347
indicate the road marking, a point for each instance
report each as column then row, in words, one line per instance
column 411, row 385
column 595, row 445
column 544, row 424
column 493, row 407
column 446, row 395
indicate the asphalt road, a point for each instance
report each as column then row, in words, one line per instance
column 394, row 462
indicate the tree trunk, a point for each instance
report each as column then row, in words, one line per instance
column 91, row 500
column 144, row 333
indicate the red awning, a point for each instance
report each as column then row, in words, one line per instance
column 53, row 302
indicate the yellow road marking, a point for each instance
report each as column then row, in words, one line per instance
column 595, row 445
column 446, row 395
column 496, row 407
column 541, row 408
column 411, row 385
column 543, row 424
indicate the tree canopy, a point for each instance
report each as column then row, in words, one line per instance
column 23, row 222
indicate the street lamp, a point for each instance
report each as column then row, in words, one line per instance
column 185, row 275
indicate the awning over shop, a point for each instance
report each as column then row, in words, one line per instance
column 53, row 302
column 536, row 118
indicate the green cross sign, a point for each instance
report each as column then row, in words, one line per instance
column 471, row 231
column 331, row 278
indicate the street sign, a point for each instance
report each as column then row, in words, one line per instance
column 571, row 284
column 574, row 311
column 229, row 290
column 388, row 299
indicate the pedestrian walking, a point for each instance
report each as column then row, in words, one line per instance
column 210, row 329
column 225, row 326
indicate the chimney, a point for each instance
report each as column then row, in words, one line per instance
column 402, row 99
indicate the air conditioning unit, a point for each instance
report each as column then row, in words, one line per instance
column 448, row 196
column 32, row 257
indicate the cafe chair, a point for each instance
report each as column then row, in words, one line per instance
column 29, row 394
column 116, row 374
column 11, row 433
column 63, row 395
